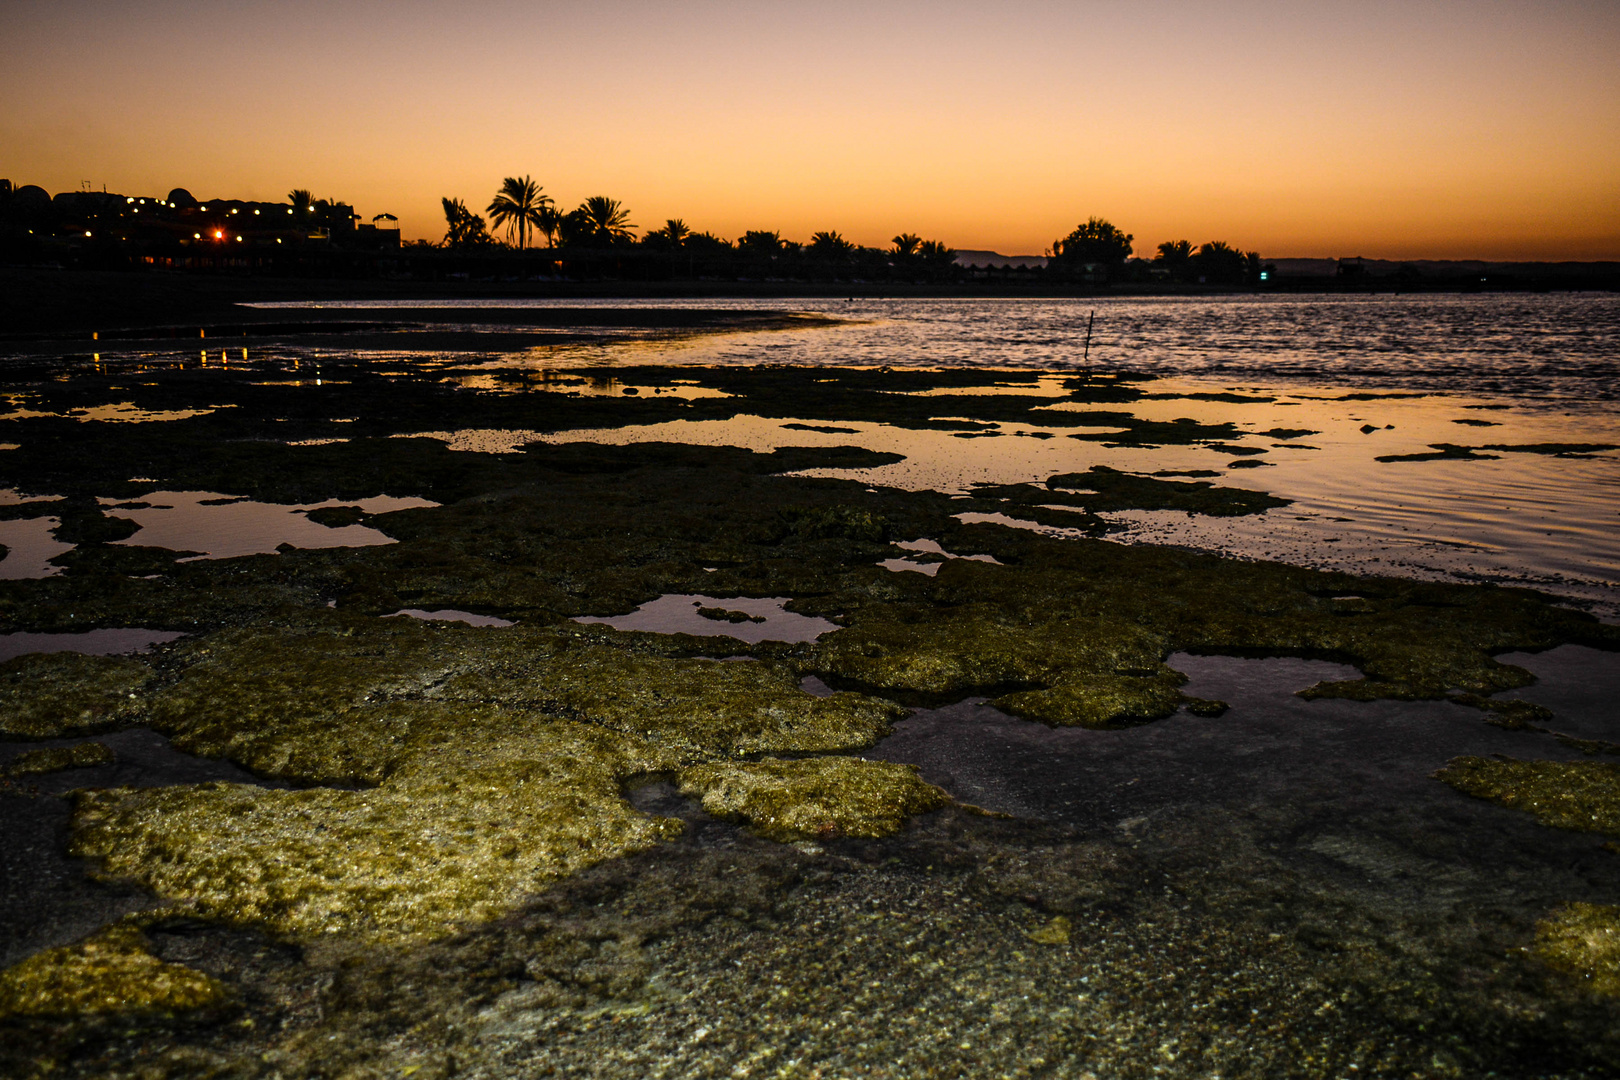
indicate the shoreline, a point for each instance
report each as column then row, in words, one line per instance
column 42, row 302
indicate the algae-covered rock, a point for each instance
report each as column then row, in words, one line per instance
column 45, row 695
column 1116, row 490
column 1580, row 795
column 813, row 797
column 704, row 708
column 1584, row 940
column 111, row 971
column 352, row 704
column 57, row 758
column 954, row 650
column 456, row 836
column 1100, row 701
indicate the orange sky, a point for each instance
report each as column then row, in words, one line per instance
column 1418, row 129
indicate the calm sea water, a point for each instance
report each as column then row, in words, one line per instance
column 1539, row 348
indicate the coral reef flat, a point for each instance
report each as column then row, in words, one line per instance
column 913, row 777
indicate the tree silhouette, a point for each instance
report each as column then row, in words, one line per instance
column 760, row 242
column 936, row 254
column 1175, row 252
column 1218, row 261
column 465, row 228
column 519, row 205
column 604, row 220
column 829, row 245
column 1097, row 241
column 674, row 232
column 906, row 244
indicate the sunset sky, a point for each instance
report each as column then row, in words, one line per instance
column 1417, row 129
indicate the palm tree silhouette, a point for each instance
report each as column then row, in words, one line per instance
column 518, row 206
column 549, row 221
column 905, row 245
column 675, row 231
column 606, row 218
column 302, row 199
column 829, row 245
column 465, row 227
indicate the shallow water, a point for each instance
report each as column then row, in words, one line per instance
column 224, row 526
column 677, row 613
column 1471, row 370
column 107, row 642
column 451, row 615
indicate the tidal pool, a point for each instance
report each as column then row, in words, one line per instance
column 225, row 526
column 451, row 615
column 108, row 642
column 750, row 619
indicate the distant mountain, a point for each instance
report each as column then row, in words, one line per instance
column 973, row 259
column 1443, row 268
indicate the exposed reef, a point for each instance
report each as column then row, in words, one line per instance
column 813, row 798
column 449, row 865
column 111, row 971
column 1581, row 795
column 83, row 755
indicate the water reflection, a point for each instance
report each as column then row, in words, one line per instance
column 107, row 642
column 224, row 526
column 450, row 615
column 746, row 618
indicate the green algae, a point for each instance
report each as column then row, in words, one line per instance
column 1453, row 452
column 111, row 971
column 1583, row 940
column 454, row 837
column 1100, row 701
column 493, row 762
column 52, row 694
column 1116, row 490
column 720, row 614
column 1130, row 430
column 336, row 517
column 57, row 758
column 1064, row 613
column 351, row 704
column 1055, row 932
column 1579, row 795
column 1440, row 452
column 813, row 798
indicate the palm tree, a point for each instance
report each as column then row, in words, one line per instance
column 518, row 206
column 674, row 232
column 606, row 218
column 906, row 244
column 465, row 227
column 302, row 199
column 549, row 221
column 830, row 245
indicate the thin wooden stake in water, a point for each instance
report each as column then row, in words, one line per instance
column 1088, row 336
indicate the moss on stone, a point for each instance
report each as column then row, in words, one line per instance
column 57, row 758
column 456, row 836
column 46, row 695
column 350, row 704
column 1580, row 795
column 110, row 972
column 1117, row 490
column 813, row 798
column 1100, row 701
column 1583, row 940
